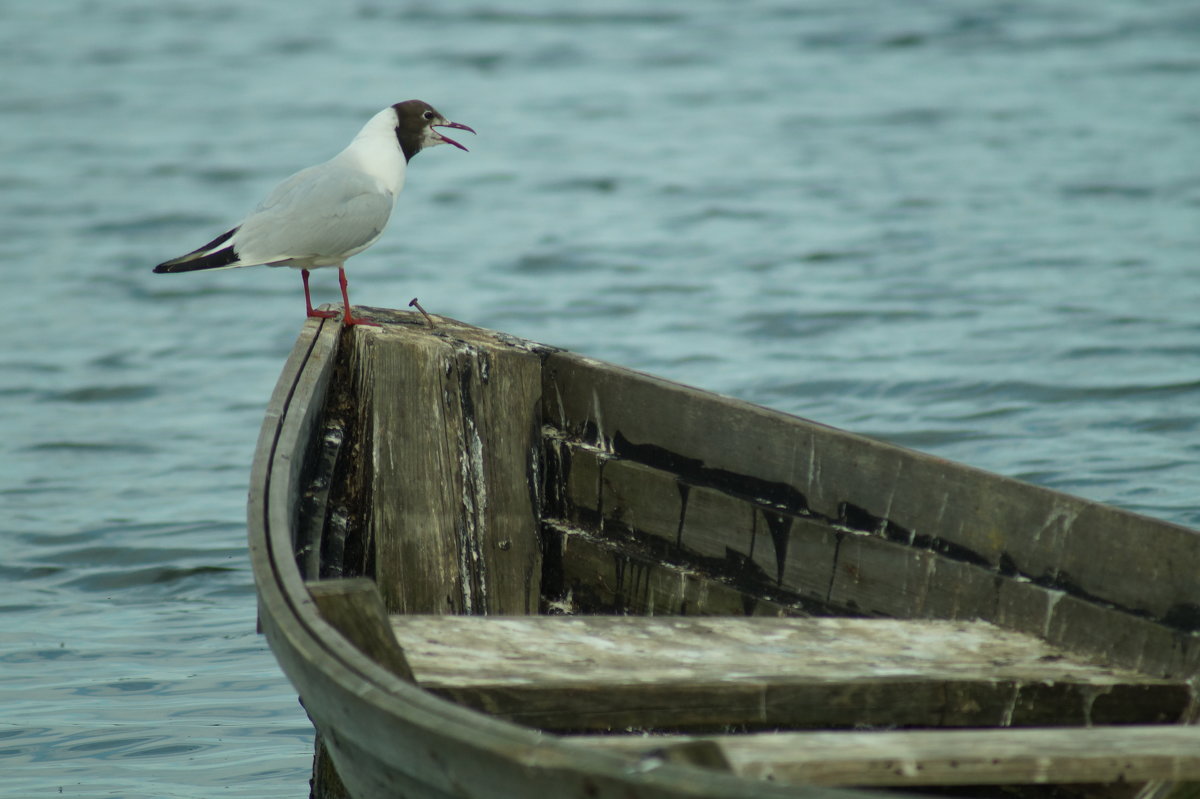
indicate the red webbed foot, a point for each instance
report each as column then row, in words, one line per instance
column 350, row 320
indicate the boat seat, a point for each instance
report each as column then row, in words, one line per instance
column 914, row 758
column 733, row 674
column 1023, row 712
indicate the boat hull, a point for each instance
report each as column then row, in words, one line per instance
column 467, row 472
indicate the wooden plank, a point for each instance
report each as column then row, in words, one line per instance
column 615, row 497
column 618, row 497
column 605, row 672
column 452, row 434
column 1105, row 555
column 316, row 554
column 354, row 607
column 716, row 525
column 744, row 542
column 803, row 552
column 581, row 480
column 738, row 539
column 1145, row 646
column 637, row 499
column 1027, row 756
column 292, row 414
column 875, row 576
column 594, row 575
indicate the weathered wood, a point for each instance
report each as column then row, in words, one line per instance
column 741, row 542
column 726, row 536
column 638, row 498
column 596, row 575
column 354, row 607
column 744, row 499
column 452, row 430
column 694, row 752
column 1093, row 551
column 717, row 525
column 1170, row 789
column 603, row 673
column 386, row 736
column 286, row 438
column 326, row 783
column 1124, row 638
column 1038, row 756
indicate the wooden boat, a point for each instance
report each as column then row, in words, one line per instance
column 497, row 569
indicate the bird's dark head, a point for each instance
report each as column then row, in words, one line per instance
column 416, row 121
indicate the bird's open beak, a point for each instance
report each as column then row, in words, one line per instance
column 449, row 140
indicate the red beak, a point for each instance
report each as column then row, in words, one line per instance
column 457, row 125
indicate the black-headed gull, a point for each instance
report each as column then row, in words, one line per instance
column 322, row 215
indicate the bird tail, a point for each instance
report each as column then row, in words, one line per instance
column 211, row 256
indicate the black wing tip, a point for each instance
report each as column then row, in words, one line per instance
column 209, row 260
column 214, row 260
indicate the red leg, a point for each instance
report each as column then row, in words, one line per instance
column 308, row 301
column 347, row 319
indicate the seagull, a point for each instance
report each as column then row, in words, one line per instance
column 322, row 215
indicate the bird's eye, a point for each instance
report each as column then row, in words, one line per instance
column 428, row 115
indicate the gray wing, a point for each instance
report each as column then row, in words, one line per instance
column 325, row 211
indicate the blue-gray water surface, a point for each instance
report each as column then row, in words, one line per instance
column 966, row 227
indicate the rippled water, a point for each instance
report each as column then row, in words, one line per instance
column 967, row 227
